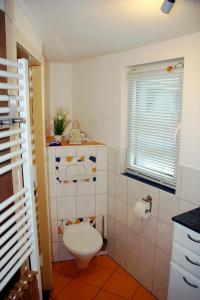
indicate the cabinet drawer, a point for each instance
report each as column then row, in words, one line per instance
column 182, row 285
column 186, row 237
column 186, row 259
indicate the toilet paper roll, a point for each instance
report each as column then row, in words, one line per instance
column 140, row 208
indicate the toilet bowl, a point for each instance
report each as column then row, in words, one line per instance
column 83, row 242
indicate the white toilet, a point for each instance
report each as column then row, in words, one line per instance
column 83, row 242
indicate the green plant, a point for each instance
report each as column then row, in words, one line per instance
column 60, row 121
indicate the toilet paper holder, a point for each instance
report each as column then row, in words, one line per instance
column 149, row 200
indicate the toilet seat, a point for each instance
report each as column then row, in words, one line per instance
column 82, row 238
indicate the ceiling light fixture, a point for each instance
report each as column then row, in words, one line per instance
column 167, row 6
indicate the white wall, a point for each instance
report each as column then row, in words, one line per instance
column 19, row 29
column 98, row 89
column 60, row 87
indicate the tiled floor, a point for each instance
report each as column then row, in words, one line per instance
column 104, row 279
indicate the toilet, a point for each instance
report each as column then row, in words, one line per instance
column 83, row 242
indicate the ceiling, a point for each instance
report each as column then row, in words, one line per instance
column 74, row 30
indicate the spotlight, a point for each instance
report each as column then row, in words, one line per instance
column 167, row 6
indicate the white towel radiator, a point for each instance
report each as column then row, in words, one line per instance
column 18, row 228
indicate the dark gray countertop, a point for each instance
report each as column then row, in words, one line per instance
column 190, row 219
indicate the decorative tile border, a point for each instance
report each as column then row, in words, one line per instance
column 75, row 169
column 66, row 222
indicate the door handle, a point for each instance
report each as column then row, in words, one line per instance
column 192, row 239
column 190, row 284
column 192, row 262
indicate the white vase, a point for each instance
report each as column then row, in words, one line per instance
column 58, row 138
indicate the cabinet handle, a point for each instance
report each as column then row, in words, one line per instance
column 192, row 239
column 190, row 284
column 192, row 262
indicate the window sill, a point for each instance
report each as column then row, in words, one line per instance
column 152, row 183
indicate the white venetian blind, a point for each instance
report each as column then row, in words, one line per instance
column 154, row 113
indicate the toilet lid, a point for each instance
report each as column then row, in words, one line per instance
column 82, row 238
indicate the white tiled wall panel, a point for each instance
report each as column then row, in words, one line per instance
column 66, row 207
column 101, row 182
column 101, row 158
column 77, row 199
column 101, row 204
column 64, row 190
column 85, row 206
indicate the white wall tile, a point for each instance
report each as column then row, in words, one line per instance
column 51, row 160
column 145, row 276
column 132, row 265
column 86, row 188
column 134, row 191
column 168, row 207
column 53, row 208
column 66, row 207
column 121, row 187
column 102, row 158
column 132, row 243
column 162, row 264
column 101, row 225
column 111, row 183
column 149, row 228
column 111, row 227
column 101, row 204
column 55, row 254
column 190, row 190
column 86, row 150
column 111, row 159
column 164, row 237
column 85, row 206
column 66, row 189
column 120, row 234
column 160, row 287
column 65, row 151
column 52, row 185
column 185, row 206
column 54, row 231
column 154, row 193
column 121, row 211
column 119, row 254
column 132, row 222
column 111, row 206
column 147, row 253
column 111, row 247
column 101, row 182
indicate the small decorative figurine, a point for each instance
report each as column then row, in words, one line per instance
column 75, row 133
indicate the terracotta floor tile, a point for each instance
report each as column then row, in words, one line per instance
column 120, row 270
column 59, row 282
column 106, row 262
column 121, row 285
column 143, row 294
column 77, row 290
column 66, row 268
column 102, row 295
column 94, row 275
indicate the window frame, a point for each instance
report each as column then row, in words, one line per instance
column 135, row 172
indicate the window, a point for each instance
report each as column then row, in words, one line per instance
column 154, row 113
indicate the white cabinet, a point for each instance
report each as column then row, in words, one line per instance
column 184, row 282
column 183, row 285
